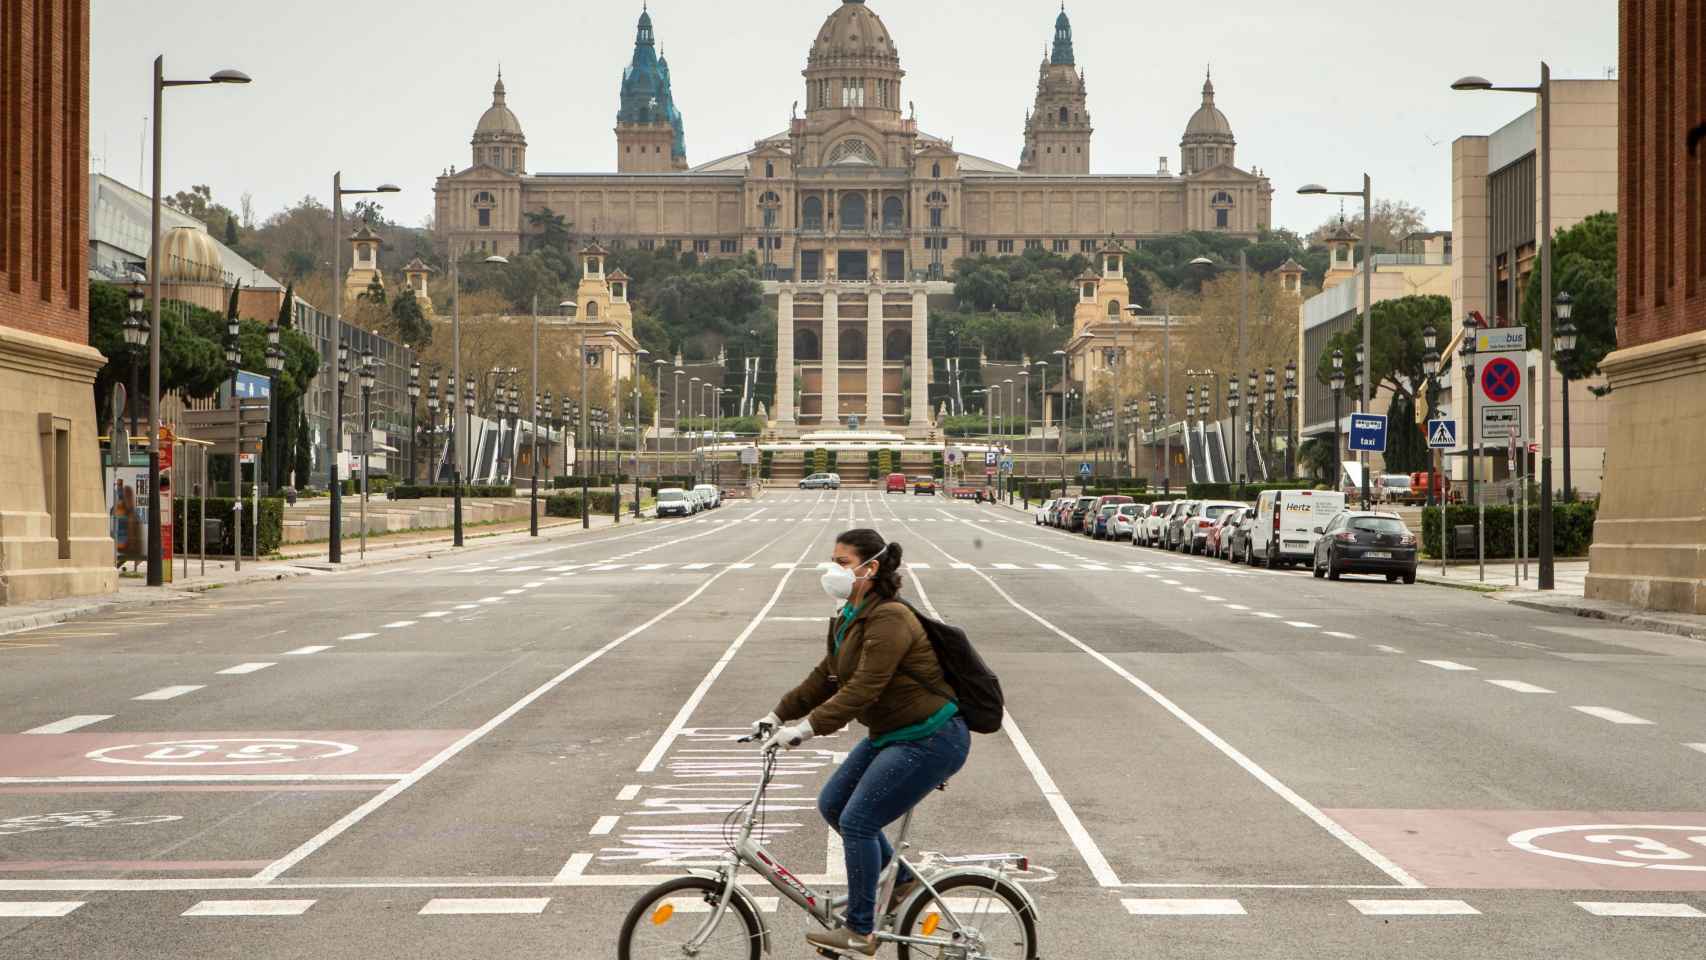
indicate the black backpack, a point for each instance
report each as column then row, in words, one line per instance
column 979, row 689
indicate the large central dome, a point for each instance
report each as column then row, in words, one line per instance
column 853, row 36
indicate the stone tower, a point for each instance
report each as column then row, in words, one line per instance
column 1057, row 132
column 364, row 263
column 498, row 141
column 650, row 137
column 1208, row 140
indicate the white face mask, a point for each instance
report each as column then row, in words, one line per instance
column 838, row 580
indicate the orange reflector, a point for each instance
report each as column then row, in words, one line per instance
column 661, row 915
column 931, row 922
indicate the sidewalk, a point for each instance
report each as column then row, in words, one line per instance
column 302, row 560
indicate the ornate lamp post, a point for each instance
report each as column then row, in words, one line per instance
column 432, row 424
column 1268, row 397
column 1154, row 425
column 1564, row 338
column 1063, row 379
column 1232, row 406
column 233, row 357
column 1471, row 334
column 136, row 338
column 657, row 448
column 369, row 370
column 1338, row 383
column 1291, row 419
column 1430, row 366
column 275, row 430
column 414, row 405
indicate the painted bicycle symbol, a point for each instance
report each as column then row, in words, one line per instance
column 77, row 820
column 1501, row 379
column 1649, row 846
column 218, row 753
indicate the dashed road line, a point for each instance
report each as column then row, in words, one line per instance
column 169, row 693
column 358, row 636
column 1170, row 907
column 1302, row 625
column 249, row 908
column 454, row 906
column 1449, row 665
column 1519, row 686
column 1414, row 908
column 603, row 826
column 243, row 668
column 307, row 651
column 70, row 723
column 400, row 624
column 1619, row 908
column 36, row 909
column 1613, row 716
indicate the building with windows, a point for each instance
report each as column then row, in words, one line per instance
column 853, row 189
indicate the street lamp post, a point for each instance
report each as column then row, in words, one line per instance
column 156, row 549
column 1542, row 90
column 639, row 358
column 432, row 424
column 675, row 421
column 234, row 357
column 335, row 548
column 1154, row 425
column 1471, row 331
column 1232, row 405
column 657, row 442
column 1338, row 383
column 1042, row 397
column 565, row 417
column 1362, row 407
column 456, row 468
column 1367, row 195
column 414, row 405
column 136, row 338
column 1268, row 397
column 1565, row 339
column 369, row 367
column 1291, row 419
column 1430, row 366
column 275, row 366
column 1063, row 379
column 1166, row 382
column 692, row 394
column 1025, row 408
column 1249, row 438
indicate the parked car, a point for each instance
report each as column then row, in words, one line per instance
column 1205, row 517
column 924, row 485
column 1355, row 541
column 676, row 502
column 1098, row 513
column 710, row 494
column 1396, row 488
column 1080, row 510
column 821, row 481
column 1285, row 522
column 1220, row 535
column 1155, row 521
column 1124, row 521
column 1174, row 535
column 1062, row 509
column 896, row 483
column 1237, row 540
column 1043, row 511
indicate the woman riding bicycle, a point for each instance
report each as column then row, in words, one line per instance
column 881, row 670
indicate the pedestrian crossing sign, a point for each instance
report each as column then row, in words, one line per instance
column 1442, row 434
column 1084, row 470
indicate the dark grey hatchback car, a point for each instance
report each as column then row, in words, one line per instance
column 1359, row 542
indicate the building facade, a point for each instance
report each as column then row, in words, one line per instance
column 853, row 189
column 1649, row 545
column 54, row 533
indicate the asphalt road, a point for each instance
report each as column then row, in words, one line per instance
column 489, row 753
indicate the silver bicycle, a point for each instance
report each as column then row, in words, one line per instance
column 963, row 907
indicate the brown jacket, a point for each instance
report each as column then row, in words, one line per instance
column 875, row 678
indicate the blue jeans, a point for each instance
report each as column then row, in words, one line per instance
column 874, row 788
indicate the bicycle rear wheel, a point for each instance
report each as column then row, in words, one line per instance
column 992, row 913
column 668, row 915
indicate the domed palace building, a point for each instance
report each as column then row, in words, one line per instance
column 855, row 213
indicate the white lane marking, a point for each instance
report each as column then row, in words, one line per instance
column 698, row 566
column 71, row 723
column 603, row 826
column 167, row 693
column 1189, row 590
column 572, row 870
column 491, row 600
column 1171, row 583
column 1089, row 566
column 38, row 908
column 628, row 792
column 1344, row 636
column 358, row 636
column 1414, row 908
column 533, row 584
column 1448, row 665
column 1005, row 566
column 651, row 566
column 1383, row 648
column 1266, row 615
column 400, row 624
column 243, row 668
column 1613, row 716
column 467, row 606
column 1302, row 625
column 453, row 906
column 278, row 867
column 249, row 908
column 604, row 567
column 514, row 592
column 1519, row 686
column 1696, row 746
column 1211, row 599
column 522, row 569
column 964, row 566
column 732, row 566
column 1041, row 566
column 1236, row 606
column 306, row 651
column 1205, row 907
column 435, row 614
column 782, row 566
column 1627, row 909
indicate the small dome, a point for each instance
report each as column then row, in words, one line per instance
column 853, row 35
column 191, row 257
column 498, row 122
column 1208, row 121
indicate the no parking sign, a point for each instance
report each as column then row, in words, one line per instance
column 1503, row 388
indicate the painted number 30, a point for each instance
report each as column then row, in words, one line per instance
column 245, row 752
column 1655, row 847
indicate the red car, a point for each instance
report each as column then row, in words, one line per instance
column 896, row 483
column 1219, row 542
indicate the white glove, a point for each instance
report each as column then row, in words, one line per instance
column 789, row 737
column 771, row 720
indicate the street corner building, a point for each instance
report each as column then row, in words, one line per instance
column 54, row 538
column 1649, row 545
column 854, row 213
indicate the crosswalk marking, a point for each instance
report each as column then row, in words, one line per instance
column 1613, row 716
column 38, row 908
column 1414, row 908
column 168, row 693
column 1205, row 907
column 1620, row 908
column 249, row 908
column 453, row 906
column 699, row 566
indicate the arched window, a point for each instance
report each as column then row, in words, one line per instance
column 936, row 171
column 1063, row 115
column 937, row 198
column 1113, row 309
column 806, row 345
column 1342, row 254
column 853, row 151
column 592, row 309
column 853, row 211
column 1222, row 198
column 852, row 343
column 812, row 213
column 896, row 345
column 936, row 217
column 769, row 169
column 1088, row 293
column 894, row 213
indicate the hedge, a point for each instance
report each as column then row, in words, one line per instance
column 1246, row 491
column 569, row 504
column 420, row 491
column 871, row 465
column 765, row 459
column 186, row 514
column 937, row 467
column 1572, row 529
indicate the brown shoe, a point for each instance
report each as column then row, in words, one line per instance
column 843, row 940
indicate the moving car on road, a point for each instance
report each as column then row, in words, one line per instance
column 1042, row 513
column 1365, row 542
column 676, row 502
column 1154, row 522
column 896, row 483
column 821, row 481
column 1285, row 523
column 925, row 486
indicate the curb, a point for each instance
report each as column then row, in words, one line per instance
column 1614, row 614
column 1459, row 585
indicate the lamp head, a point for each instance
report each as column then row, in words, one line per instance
column 569, row 308
column 1338, row 359
column 1135, row 309
column 388, row 188
column 1564, row 338
column 1312, row 189
column 229, row 76
column 1471, row 83
column 1202, row 262
column 494, row 258
column 1430, row 337
column 233, row 327
column 136, row 296
column 1566, row 305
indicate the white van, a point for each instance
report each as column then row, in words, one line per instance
column 1284, row 530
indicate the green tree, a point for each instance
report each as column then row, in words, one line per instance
column 411, row 322
column 1397, row 341
column 1406, row 444
column 1584, row 265
column 375, row 292
column 231, row 232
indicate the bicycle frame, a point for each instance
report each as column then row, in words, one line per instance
column 748, row 852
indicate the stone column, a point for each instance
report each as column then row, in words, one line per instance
column 874, row 359
column 784, row 405
column 920, row 360
column 831, row 358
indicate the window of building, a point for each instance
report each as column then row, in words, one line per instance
column 894, row 213
column 806, row 345
column 936, row 171
column 647, row 243
column 811, row 265
column 1086, row 246
column 1220, row 218
column 1063, row 115
column 672, row 245
column 769, row 169
column 853, row 211
column 979, row 246
column 1003, row 246
column 1062, row 246
column 1033, row 244
column 701, row 246
column 811, row 213
column 852, row 344
column 485, row 217
column 728, row 246
column 853, row 151
column 936, row 217
column 894, row 266
column 853, row 92
column 1113, row 309
column 592, row 309
column 1342, row 254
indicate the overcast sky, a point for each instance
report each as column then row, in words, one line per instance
column 1316, row 90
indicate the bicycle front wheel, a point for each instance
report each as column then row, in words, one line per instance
column 990, row 915
column 671, row 914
